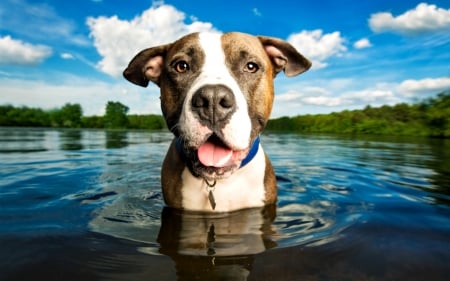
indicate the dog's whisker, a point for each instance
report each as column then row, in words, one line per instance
column 174, row 127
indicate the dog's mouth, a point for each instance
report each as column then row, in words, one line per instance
column 214, row 159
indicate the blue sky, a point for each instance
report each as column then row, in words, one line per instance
column 363, row 52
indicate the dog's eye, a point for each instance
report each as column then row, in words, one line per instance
column 181, row 66
column 251, row 67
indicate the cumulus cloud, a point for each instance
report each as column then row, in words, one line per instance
column 362, row 43
column 422, row 19
column 378, row 95
column 16, row 52
column 427, row 85
column 307, row 102
column 324, row 101
column 306, row 93
column 317, row 46
column 117, row 40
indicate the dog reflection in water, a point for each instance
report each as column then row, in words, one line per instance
column 215, row 246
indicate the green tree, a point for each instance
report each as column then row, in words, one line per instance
column 4, row 111
column 92, row 122
column 23, row 116
column 68, row 116
column 71, row 115
column 116, row 115
column 149, row 122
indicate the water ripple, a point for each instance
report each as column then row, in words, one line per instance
column 329, row 188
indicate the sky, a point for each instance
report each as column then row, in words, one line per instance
column 371, row 52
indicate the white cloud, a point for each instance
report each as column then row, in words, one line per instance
column 256, row 12
column 318, row 47
column 427, row 85
column 324, row 101
column 117, row 40
column 324, row 98
column 362, row 43
column 67, row 56
column 16, row 52
column 424, row 18
column 309, row 102
column 307, row 92
column 92, row 95
column 379, row 95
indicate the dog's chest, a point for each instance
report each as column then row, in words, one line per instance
column 245, row 189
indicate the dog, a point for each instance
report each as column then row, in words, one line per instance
column 216, row 97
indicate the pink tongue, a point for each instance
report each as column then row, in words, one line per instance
column 213, row 155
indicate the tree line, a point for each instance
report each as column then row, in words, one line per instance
column 430, row 117
column 71, row 116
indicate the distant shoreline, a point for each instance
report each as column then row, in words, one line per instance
column 428, row 118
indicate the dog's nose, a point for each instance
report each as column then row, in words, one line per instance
column 214, row 103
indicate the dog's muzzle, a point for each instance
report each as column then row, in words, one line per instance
column 207, row 147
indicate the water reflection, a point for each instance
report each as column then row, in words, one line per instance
column 116, row 139
column 440, row 148
column 221, row 245
column 71, row 139
column 23, row 140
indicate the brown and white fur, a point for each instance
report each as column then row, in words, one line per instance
column 216, row 88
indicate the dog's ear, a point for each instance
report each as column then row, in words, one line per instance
column 284, row 56
column 146, row 66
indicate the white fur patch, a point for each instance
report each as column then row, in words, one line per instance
column 215, row 71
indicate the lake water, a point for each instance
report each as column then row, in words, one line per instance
column 87, row 205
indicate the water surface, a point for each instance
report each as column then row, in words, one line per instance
column 87, row 205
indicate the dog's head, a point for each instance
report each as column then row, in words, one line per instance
column 216, row 92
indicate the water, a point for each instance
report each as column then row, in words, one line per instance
column 87, row 205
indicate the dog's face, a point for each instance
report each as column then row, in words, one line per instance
column 216, row 92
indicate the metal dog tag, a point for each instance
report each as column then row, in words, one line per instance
column 212, row 201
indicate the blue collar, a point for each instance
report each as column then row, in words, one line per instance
column 251, row 154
